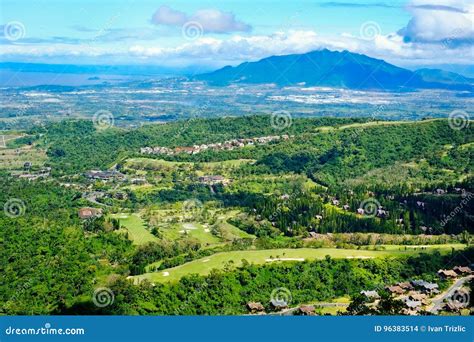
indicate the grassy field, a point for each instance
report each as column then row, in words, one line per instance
column 163, row 165
column 15, row 158
column 369, row 124
column 195, row 230
column 173, row 224
column 220, row 260
column 135, row 227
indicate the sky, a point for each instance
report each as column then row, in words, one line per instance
column 215, row 33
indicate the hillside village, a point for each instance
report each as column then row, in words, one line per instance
column 417, row 297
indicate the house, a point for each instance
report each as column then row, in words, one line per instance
column 447, row 274
column 395, row 289
column 335, row 202
column 409, row 312
column 255, row 307
column 86, row 213
column 279, row 305
column 138, row 181
column 413, row 304
column 360, row 211
column 452, row 307
column 318, row 217
column 406, row 286
column 346, row 207
column 382, row 213
column 306, row 310
column 425, row 287
column 417, row 296
column 462, row 270
column 103, row 175
column 212, row 180
column 370, row 294
column 188, row 150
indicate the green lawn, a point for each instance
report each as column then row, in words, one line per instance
column 203, row 266
column 192, row 229
column 135, row 227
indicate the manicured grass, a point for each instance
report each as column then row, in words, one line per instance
column 192, row 229
column 171, row 225
column 135, row 227
column 220, row 260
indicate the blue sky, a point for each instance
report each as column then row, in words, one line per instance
column 181, row 33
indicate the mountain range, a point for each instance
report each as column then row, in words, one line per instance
column 335, row 69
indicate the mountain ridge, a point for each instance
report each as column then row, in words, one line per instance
column 330, row 68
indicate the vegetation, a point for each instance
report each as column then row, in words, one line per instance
column 220, row 228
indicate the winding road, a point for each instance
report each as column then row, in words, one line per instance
column 438, row 301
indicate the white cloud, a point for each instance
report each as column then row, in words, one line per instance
column 440, row 20
column 211, row 20
column 241, row 48
column 237, row 48
column 165, row 15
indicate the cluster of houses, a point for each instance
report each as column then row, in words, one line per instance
column 455, row 272
column 415, row 294
column 226, row 145
column 104, row 175
column 213, row 180
column 380, row 212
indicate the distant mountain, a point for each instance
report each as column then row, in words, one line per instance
column 437, row 75
column 327, row 68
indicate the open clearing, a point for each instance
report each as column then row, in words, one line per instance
column 135, row 227
column 220, row 260
column 15, row 158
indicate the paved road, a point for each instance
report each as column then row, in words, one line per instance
column 438, row 302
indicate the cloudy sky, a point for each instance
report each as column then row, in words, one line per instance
column 216, row 33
